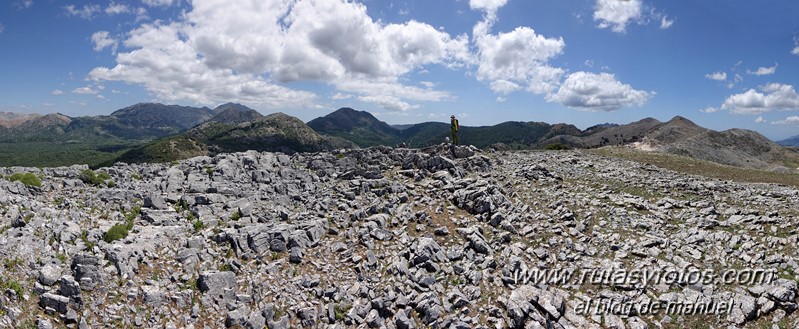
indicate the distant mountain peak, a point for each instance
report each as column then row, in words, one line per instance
column 791, row 141
column 681, row 120
column 353, row 113
column 13, row 119
column 359, row 126
column 233, row 113
column 156, row 115
column 231, row 105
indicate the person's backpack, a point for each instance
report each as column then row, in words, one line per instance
column 457, row 126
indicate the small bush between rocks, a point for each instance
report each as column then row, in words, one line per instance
column 84, row 236
column 90, row 177
column 28, row 179
column 120, row 231
column 131, row 216
column 116, row 232
column 198, row 225
column 12, row 285
column 341, row 311
column 11, row 263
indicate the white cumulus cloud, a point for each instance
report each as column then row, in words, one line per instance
column 388, row 102
column 791, row 120
column 773, row 96
column 88, row 90
column 760, row 119
column 517, row 59
column 597, row 92
column 395, row 90
column 102, row 40
column 718, row 76
column 504, row 87
column 252, row 51
column 117, row 8
column 340, row 96
column 489, row 6
column 87, row 11
column 616, row 14
column 764, row 70
column 520, row 60
column 169, row 68
column 158, row 3
column 665, row 22
column 57, row 92
column 428, row 84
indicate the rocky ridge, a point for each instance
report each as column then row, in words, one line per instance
column 388, row 238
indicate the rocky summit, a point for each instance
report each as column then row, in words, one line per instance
column 441, row 237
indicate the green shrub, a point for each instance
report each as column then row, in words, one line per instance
column 557, row 146
column 11, row 263
column 84, row 236
column 181, row 205
column 120, row 231
column 90, row 177
column 27, row 178
column 12, row 285
column 131, row 216
column 198, row 225
column 236, row 215
column 116, row 232
column 341, row 311
column 136, row 176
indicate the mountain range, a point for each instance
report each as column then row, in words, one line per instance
column 151, row 132
column 792, row 141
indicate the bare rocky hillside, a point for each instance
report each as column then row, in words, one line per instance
column 443, row 237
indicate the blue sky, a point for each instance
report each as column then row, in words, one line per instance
column 724, row 64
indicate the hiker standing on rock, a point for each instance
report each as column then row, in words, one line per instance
column 453, row 129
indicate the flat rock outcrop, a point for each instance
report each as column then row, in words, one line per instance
column 441, row 237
